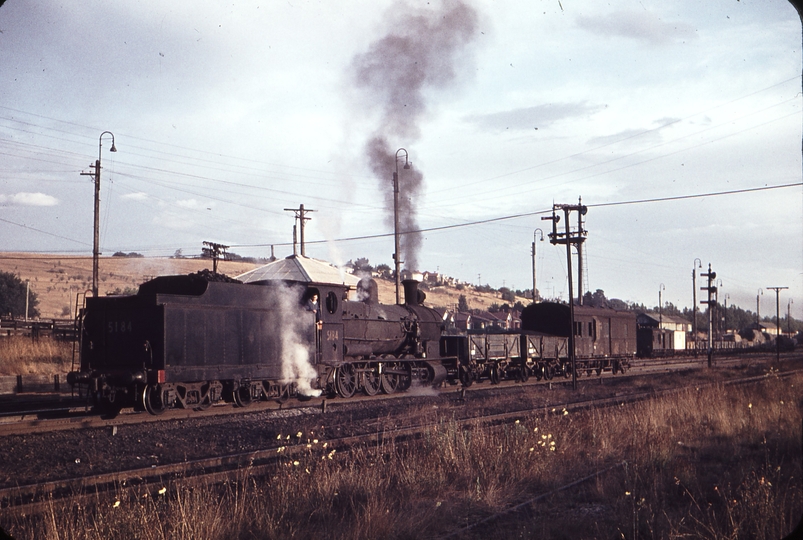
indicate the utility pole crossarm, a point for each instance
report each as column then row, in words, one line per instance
column 215, row 252
column 301, row 216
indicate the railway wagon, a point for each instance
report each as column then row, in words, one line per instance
column 511, row 354
column 603, row 338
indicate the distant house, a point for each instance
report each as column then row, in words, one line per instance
column 462, row 321
column 447, row 317
column 663, row 331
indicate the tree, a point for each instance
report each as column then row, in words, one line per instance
column 507, row 294
column 462, row 304
column 597, row 299
column 384, row 270
column 12, row 296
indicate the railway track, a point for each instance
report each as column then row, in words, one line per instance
column 41, row 415
column 36, row 497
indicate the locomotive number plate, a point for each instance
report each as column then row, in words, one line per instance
column 332, row 335
column 119, row 327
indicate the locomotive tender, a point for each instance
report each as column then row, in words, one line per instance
column 192, row 341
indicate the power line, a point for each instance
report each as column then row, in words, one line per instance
column 539, row 212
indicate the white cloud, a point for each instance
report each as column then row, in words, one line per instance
column 188, row 203
column 641, row 26
column 29, row 199
column 139, row 196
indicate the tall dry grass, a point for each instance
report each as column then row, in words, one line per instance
column 45, row 356
column 710, row 463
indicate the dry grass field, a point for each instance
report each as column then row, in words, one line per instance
column 712, row 463
column 58, row 279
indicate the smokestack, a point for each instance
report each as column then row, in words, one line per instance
column 413, row 296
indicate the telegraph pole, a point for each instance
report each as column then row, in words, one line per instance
column 215, row 252
column 96, row 240
column 711, row 289
column 568, row 238
column 300, row 215
column 778, row 321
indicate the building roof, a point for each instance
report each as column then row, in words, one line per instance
column 665, row 318
column 302, row 270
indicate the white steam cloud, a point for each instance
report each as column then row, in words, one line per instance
column 296, row 365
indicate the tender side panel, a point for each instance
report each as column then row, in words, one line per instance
column 209, row 342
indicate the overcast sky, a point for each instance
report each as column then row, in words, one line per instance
column 223, row 116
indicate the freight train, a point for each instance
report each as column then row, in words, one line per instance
column 195, row 340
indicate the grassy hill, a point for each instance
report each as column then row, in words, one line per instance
column 58, row 280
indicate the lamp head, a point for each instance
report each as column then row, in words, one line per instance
column 406, row 164
column 113, row 148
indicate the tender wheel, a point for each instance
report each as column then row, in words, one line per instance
column 242, row 396
column 346, row 380
column 371, row 381
column 206, row 399
column 153, row 399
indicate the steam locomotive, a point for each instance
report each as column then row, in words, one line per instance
column 196, row 340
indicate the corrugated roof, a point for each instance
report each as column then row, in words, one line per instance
column 302, row 270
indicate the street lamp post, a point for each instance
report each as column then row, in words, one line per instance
column 535, row 237
column 96, row 240
column 699, row 264
column 661, row 288
column 396, row 260
column 725, row 315
column 718, row 319
column 789, row 317
column 778, row 321
column 758, row 306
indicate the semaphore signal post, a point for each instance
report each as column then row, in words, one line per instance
column 570, row 238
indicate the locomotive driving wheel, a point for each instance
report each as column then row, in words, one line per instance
column 153, row 399
column 346, row 380
column 396, row 377
column 371, row 380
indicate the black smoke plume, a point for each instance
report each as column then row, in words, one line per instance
column 420, row 52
